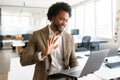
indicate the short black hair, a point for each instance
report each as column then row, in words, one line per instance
column 56, row 8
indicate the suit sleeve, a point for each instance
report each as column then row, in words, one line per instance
column 30, row 56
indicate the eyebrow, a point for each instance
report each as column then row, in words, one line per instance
column 63, row 18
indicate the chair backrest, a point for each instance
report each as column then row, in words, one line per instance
column 1, row 37
column 1, row 43
column 86, row 42
column 26, row 36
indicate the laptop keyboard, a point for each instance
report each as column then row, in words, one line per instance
column 113, row 65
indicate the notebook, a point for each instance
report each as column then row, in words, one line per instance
column 113, row 65
column 93, row 63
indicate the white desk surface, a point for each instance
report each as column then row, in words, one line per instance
column 20, row 75
column 104, row 73
column 90, row 77
column 16, row 66
column 18, row 43
column 7, row 41
column 107, row 74
column 18, row 72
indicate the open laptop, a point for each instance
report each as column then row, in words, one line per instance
column 112, row 53
column 112, row 46
column 93, row 63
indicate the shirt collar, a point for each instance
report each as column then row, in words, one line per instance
column 50, row 31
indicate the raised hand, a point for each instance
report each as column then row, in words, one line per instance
column 51, row 46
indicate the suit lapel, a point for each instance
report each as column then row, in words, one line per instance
column 45, row 35
column 65, row 47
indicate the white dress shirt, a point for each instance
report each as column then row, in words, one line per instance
column 57, row 61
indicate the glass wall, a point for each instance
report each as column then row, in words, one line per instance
column 94, row 18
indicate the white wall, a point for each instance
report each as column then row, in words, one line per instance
column 118, row 20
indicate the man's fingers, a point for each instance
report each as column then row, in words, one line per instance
column 53, row 39
column 50, row 40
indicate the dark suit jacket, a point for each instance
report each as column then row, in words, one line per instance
column 37, row 43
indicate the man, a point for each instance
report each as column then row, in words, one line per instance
column 51, row 48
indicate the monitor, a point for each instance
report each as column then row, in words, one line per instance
column 74, row 31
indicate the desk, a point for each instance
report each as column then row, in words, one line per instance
column 89, row 77
column 20, row 75
column 17, row 43
column 104, row 73
column 14, row 43
column 7, row 44
column 18, row 72
column 7, row 41
column 16, row 66
column 94, row 41
column 78, row 39
column 108, row 74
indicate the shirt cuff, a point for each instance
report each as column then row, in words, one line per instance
column 40, row 56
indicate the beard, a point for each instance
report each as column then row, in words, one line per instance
column 56, row 27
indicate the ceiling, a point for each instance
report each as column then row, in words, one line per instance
column 20, row 7
column 35, row 3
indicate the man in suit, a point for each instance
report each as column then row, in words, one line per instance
column 51, row 48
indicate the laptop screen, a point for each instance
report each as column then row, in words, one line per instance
column 112, row 46
column 92, row 64
column 94, row 61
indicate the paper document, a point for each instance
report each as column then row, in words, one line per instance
column 73, row 72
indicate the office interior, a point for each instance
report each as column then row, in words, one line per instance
column 99, row 19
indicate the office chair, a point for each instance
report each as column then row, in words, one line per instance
column 1, row 43
column 26, row 36
column 85, row 45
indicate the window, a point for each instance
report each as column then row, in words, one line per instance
column 103, row 18
column 21, row 21
column 80, row 19
column 89, row 19
column 13, row 25
column 71, row 22
column 94, row 18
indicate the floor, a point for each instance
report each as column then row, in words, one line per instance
column 5, row 56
